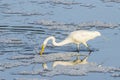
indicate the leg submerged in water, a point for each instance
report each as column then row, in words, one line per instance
column 78, row 48
column 87, row 46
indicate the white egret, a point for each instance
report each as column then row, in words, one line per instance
column 78, row 37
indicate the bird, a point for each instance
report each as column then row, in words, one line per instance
column 77, row 37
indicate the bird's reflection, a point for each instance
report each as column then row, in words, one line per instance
column 72, row 63
column 78, row 60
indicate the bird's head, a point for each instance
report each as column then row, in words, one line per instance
column 42, row 49
column 45, row 43
column 97, row 33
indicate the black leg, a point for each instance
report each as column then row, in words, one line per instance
column 78, row 57
column 78, row 48
column 89, row 49
column 89, row 52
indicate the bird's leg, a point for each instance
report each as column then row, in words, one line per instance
column 78, row 49
column 89, row 52
column 78, row 57
column 87, row 47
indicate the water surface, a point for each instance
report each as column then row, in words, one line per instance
column 25, row 24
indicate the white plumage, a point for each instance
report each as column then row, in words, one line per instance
column 77, row 37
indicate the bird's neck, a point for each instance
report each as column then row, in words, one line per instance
column 66, row 41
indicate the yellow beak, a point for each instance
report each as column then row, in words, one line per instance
column 42, row 49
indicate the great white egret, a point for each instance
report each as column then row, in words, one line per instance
column 77, row 37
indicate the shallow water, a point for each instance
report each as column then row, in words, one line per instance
column 25, row 24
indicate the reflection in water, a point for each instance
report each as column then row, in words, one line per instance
column 70, row 63
column 76, row 70
column 22, row 53
column 23, row 28
column 62, row 64
column 21, row 50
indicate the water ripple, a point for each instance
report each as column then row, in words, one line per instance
column 72, row 26
column 77, row 70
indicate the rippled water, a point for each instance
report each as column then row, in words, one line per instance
column 24, row 24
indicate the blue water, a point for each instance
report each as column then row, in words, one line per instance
column 24, row 24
